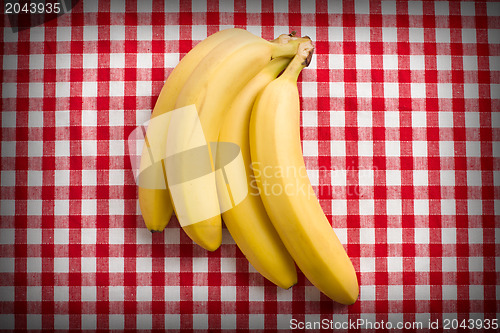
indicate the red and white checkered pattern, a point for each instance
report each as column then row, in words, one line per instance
column 400, row 129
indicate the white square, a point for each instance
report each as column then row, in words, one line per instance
column 145, row 6
column 495, row 63
column 364, row 89
column 390, row 61
column 365, row 148
column 364, row 118
column 116, row 293
column 33, row 265
column 472, row 120
column 116, row 148
column 35, row 119
column 89, row 207
column 337, row 89
column 117, row 7
column 199, row 32
column 89, row 321
column 88, row 265
column 339, row 207
column 173, row 293
column 116, row 264
column 416, row 35
column 144, row 293
column 116, row 177
column 228, row 265
column 172, row 321
column 309, row 89
column 389, row 34
column 419, row 148
column 144, row 60
column 418, row 91
column 61, row 207
column 469, row 36
column 495, row 93
column 34, row 207
column 61, row 236
column 309, row 118
column 366, row 207
column 116, row 207
column 449, row 292
column 200, row 293
column 36, row 61
column 116, row 321
column 476, row 292
column 89, row 118
column 394, row 264
column 8, row 294
column 61, row 293
column 334, row 6
column 394, row 236
column 200, row 264
column 394, row 292
column 200, row 321
column 228, row 293
column 366, row 264
column 34, row 236
column 471, row 90
column 392, row 148
column 362, row 34
column 494, row 36
column 117, row 32
column 62, row 89
column 199, row 7
column 338, row 177
column 36, row 89
column 88, row 235
column 391, row 119
column 417, row 62
column 421, row 235
column 448, row 235
column 473, row 148
column 7, row 236
column 441, row 8
column 89, row 89
column 475, row 235
column 394, row 207
column 367, row 236
column 421, row 207
column 419, row 118
column 420, row 177
column 144, row 32
column 116, row 60
column 422, row 264
column 470, row 63
column 33, row 293
column 493, row 8
column 89, row 177
column 256, row 294
column 90, row 33
column 89, row 293
column 89, row 148
column 116, row 88
column 35, row 178
column 443, row 62
column 446, row 148
column 310, row 148
column 449, row 264
column 389, row 7
column 61, row 265
column 37, row 34
column 61, row 321
column 475, row 207
column 256, row 321
column 367, row 292
column 468, row 8
column 172, row 265
column 280, row 6
column 63, row 34
column 393, row 177
column 62, row 117
column 366, row 177
column 337, row 119
column 442, row 35
column 313, row 177
column 9, row 90
column 144, row 264
column 8, row 119
column 447, row 177
column 63, row 60
column 228, row 321
column 7, row 265
column 391, row 90
column 90, row 60
column 9, row 148
column 61, row 148
column 172, row 32
column 476, row 264
column 422, row 293
column 362, row 7
column 144, row 321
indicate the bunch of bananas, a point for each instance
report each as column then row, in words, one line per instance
column 231, row 148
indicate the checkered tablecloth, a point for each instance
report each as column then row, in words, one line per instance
column 400, row 129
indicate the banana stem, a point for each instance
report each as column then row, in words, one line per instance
column 302, row 59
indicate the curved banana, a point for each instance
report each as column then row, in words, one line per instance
column 248, row 222
column 211, row 88
column 286, row 191
column 154, row 201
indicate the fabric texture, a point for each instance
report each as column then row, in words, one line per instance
column 400, row 129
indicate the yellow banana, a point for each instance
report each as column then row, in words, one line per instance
column 154, row 200
column 286, row 191
column 211, row 88
column 248, row 222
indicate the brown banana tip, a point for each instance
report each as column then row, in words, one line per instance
column 307, row 37
column 293, row 33
column 154, row 231
column 307, row 60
